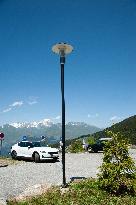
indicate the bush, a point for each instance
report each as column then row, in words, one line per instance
column 76, row 147
column 91, row 140
column 117, row 172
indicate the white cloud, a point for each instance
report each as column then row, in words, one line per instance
column 13, row 106
column 7, row 110
column 115, row 118
column 32, row 102
column 58, row 117
column 16, row 104
column 93, row 116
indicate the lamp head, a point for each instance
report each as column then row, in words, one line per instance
column 62, row 49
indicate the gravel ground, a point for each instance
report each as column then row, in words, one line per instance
column 14, row 179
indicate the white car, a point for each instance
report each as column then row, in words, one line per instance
column 33, row 150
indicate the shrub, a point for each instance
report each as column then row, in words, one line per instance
column 76, row 147
column 91, row 140
column 117, row 172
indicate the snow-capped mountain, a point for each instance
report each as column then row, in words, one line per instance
column 47, row 128
column 77, row 124
column 44, row 122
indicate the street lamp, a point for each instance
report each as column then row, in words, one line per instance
column 62, row 49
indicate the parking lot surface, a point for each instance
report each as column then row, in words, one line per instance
column 14, row 179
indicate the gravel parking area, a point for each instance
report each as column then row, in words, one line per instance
column 14, row 179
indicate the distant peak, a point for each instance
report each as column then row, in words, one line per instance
column 44, row 122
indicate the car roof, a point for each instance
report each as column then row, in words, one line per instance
column 35, row 141
column 105, row 138
column 25, row 141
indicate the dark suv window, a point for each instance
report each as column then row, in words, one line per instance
column 28, row 144
column 21, row 144
column 25, row 144
column 36, row 144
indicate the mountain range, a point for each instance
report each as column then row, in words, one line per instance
column 34, row 130
column 37, row 124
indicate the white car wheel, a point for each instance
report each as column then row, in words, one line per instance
column 14, row 154
column 36, row 157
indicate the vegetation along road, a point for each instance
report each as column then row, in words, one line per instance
column 15, row 178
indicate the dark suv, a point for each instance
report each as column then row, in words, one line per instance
column 99, row 145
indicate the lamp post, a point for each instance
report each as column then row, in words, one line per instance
column 62, row 49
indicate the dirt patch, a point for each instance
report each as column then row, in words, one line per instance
column 30, row 192
column 4, row 162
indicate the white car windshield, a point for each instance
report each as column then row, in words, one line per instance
column 31, row 144
column 39, row 144
column 36, row 144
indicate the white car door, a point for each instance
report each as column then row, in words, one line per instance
column 28, row 149
column 20, row 149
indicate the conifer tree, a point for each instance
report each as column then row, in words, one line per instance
column 117, row 172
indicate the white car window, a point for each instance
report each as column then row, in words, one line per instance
column 21, row 144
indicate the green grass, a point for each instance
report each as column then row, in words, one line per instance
column 85, row 192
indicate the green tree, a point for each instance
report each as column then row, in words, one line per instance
column 91, row 140
column 76, row 147
column 117, row 172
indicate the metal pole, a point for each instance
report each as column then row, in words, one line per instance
column 62, row 61
column 62, row 49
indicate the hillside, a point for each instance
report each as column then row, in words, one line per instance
column 127, row 127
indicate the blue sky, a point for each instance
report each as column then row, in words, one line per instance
column 99, row 75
